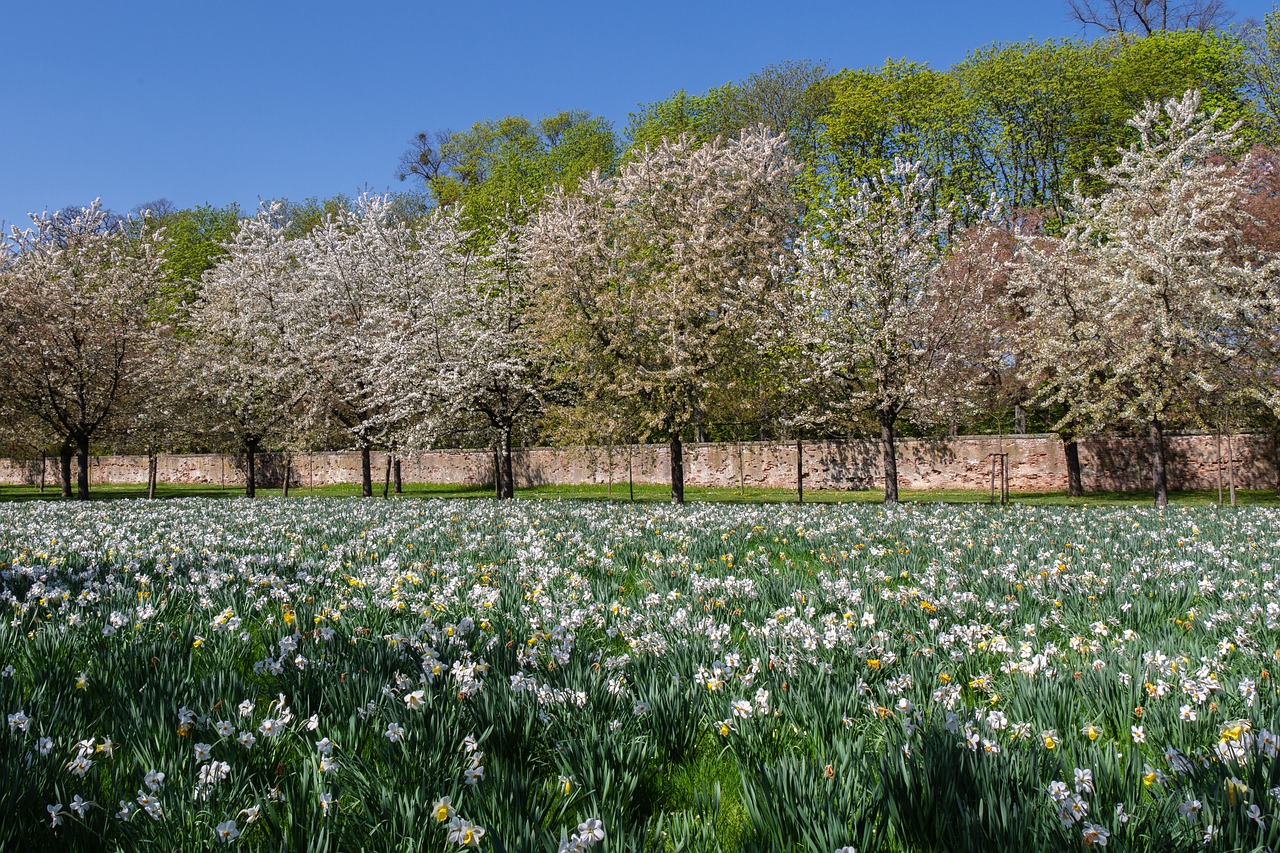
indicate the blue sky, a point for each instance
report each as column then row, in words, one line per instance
column 231, row 101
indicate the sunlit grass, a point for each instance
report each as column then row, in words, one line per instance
column 658, row 494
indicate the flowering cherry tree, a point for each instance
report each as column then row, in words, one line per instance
column 77, row 337
column 498, row 369
column 885, row 331
column 351, row 266
column 418, row 309
column 655, row 281
column 236, row 357
column 1152, row 293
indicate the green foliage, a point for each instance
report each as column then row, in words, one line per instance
column 702, row 117
column 193, row 240
column 786, row 97
column 309, row 214
column 509, row 164
column 1023, row 120
column 1035, row 120
column 901, row 110
column 1166, row 65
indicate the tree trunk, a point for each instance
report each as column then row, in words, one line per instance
column 887, row 440
column 151, row 475
column 366, row 473
column 1019, row 420
column 1159, row 476
column 1075, row 483
column 677, row 470
column 251, row 468
column 386, row 480
column 64, row 466
column 82, row 460
column 396, row 482
column 508, row 472
column 288, row 474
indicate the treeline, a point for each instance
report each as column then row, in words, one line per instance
column 1068, row 235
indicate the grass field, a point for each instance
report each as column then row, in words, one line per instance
column 651, row 494
column 555, row 675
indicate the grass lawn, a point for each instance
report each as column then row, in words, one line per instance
column 659, row 494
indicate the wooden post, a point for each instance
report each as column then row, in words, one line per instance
column 1218, row 443
column 1004, row 465
column 999, row 477
column 991, row 498
column 799, row 471
column 742, row 481
column 497, row 472
column 1231, row 467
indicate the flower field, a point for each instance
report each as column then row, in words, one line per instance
column 550, row 675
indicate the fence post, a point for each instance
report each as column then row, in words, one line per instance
column 799, row 471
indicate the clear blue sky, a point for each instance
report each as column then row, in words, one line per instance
column 231, row 101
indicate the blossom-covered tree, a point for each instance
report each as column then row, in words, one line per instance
column 76, row 327
column 655, row 281
column 498, row 369
column 883, row 327
column 236, row 357
column 1153, row 292
column 417, row 316
column 351, row 266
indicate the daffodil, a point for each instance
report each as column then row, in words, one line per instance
column 442, row 809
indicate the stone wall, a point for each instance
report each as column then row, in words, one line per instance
column 1036, row 464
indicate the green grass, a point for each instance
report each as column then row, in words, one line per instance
column 650, row 494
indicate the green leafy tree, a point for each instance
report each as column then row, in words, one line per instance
column 785, row 98
column 508, row 164
column 1262, row 69
column 900, row 111
column 194, row 241
column 1034, row 104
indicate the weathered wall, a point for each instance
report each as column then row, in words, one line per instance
column 1036, row 463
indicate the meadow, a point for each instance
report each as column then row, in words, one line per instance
column 554, row 675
